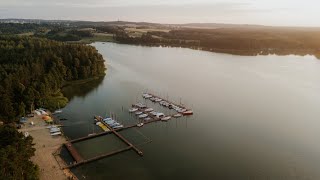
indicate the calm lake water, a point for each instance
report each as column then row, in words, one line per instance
column 255, row 117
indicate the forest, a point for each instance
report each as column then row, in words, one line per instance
column 240, row 41
column 15, row 153
column 33, row 70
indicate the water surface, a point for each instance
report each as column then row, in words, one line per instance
column 255, row 117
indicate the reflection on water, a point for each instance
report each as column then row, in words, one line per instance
column 81, row 90
column 255, row 117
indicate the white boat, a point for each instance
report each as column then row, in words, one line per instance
column 57, row 111
column 182, row 110
column 158, row 100
column 147, row 119
column 138, row 113
column 146, row 96
column 56, row 134
column 140, row 105
column 92, row 134
column 140, row 124
column 53, row 126
column 160, row 115
column 143, row 116
column 133, row 110
column 148, row 110
column 166, row 118
column 53, row 130
column 98, row 123
column 177, row 115
column 116, row 127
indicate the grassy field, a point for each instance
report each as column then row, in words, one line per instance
column 98, row 37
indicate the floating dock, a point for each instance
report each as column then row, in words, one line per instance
column 74, row 153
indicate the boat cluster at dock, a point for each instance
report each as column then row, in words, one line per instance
column 147, row 114
column 180, row 109
column 109, row 121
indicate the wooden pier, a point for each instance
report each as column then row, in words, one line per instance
column 114, row 131
column 79, row 160
column 74, row 153
column 178, row 105
column 98, row 157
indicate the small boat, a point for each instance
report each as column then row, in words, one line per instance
column 53, row 126
column 63, row 119
column 182, row 110
column 140, row 105
column 143, row 116
column 138, row 113
column 133, row 110
column 117, row 127
column 148, row 110
column 98, row 123
column 166, row 118
column 56, row 134
column 153, row 99
column 160, row 115
column 107, row 119
column 53, row 130
column 158, row 100
column 57, row 111
column 110, row 122
column 140, row 124
column 147, row 119
column 92, row 134
column 186, row 113
column 114, row 125
column 177, row 115
column 146, row 96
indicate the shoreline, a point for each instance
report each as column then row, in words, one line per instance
column 47, row 150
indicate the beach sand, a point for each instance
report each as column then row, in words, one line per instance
column 46, row 146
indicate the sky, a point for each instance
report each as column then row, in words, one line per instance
column 262, row 12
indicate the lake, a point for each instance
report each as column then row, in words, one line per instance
column 255, row 117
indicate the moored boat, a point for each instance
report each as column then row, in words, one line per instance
column 177, row 115
column 138, row 112
column 186, row 113
column 117, row 127
column 146, row 96
column 147, row 119
column 143, row 116
column 56, row 134
column 133, row 110
column 140, row 124
column 158, row 100
column 166, row 118
column 148, row 110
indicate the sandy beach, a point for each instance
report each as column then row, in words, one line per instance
column 46, row 146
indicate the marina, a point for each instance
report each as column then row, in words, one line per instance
column 109, row 125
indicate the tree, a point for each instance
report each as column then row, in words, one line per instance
column 15, row 153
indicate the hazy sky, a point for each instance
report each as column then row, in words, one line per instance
column 266, row 12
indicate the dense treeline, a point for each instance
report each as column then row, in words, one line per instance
column 243, row 41
column 15, row 153
column 32, row 71
column 63, row 34
column 14, row 28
